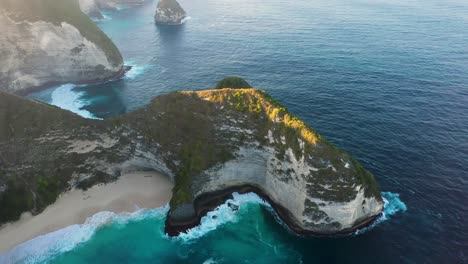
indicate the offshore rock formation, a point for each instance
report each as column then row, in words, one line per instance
column 169, row 12
column 46, row 42
column 210, row 143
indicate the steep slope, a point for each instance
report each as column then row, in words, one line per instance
column 47, row 42
column 210, row 142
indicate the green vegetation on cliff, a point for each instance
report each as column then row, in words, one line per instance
column 62, row 11
column 187, row 125
column 233, row 82
column 192, row 132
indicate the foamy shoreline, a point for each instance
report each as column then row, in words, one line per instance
column 130, row 193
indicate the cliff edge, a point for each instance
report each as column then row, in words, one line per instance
column 48, row 42
column 210, row 143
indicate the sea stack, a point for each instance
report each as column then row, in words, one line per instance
column 169, row 12
column 41, row 46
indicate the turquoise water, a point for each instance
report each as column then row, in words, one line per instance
column 250, row 234
column 385, row 80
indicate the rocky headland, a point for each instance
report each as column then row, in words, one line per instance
column 169, row 12
column 209, row 143
column 50, row 42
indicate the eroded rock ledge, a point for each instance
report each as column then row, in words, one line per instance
column 210, row 143
column 209, row 201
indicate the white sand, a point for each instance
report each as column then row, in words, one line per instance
column 130, row 193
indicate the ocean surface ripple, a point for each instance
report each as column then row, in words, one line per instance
column 385, row 80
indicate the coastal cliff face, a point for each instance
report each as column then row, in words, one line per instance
column 169, row 12
column 45, row 42
column 210, row 143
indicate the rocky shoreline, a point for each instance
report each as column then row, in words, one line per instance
column 118, row 75
column 240, row 140
column 207, row 202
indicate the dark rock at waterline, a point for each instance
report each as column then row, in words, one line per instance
column 169, row 12
column 118, row 75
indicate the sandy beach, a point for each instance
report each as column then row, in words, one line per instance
column 130, row 193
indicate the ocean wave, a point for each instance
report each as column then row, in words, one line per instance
column 67, row 98
column 223, row 214
column 228, row 213
column 43, row 248
column 185, row 19
column 135, row 71
column 392, row 205
column 53, row 244
column 105, row 17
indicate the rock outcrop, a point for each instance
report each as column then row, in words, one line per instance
column 210, row 143
column 169, row 12
column 46, row 42
column 233, row 82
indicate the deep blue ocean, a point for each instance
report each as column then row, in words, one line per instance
column 386, row 80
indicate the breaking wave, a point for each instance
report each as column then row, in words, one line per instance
column 135, row 71
column 46, row 247
column 392, row 205
column 67, row 98
column 42, row 248
column 223, row 214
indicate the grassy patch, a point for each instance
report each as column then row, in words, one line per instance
column 233, row 82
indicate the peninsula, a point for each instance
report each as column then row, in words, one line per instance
column 209, row 143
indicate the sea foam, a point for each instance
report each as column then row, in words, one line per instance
column 392, row 205
column 67, row 98
column 223, row 214
column 227, row 213
column 43, row 248
column 135, row 71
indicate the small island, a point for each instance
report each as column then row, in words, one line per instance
column 169, row 12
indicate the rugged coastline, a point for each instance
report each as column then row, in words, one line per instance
column 133, row 191
column 240, row 140
column 118, row 75
column 209, row 201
